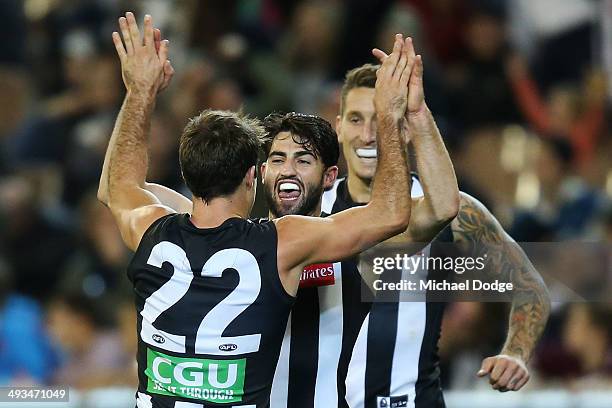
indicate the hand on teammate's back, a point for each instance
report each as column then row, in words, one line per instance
column 144, row 59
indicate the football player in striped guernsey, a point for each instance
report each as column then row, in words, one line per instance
column 394, row 359
column 213, row 290
column 301, row 157
column 389, row 365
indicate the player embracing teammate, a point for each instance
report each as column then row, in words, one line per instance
column 214, row 291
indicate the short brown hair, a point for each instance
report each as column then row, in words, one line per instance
column 363, row 76
column 216, row 150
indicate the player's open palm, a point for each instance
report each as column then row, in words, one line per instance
column 392, row 78
column 414, row 67
column 142, row 66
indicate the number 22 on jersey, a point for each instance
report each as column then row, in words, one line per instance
column 209, row 335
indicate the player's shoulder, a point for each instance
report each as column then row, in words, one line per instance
column 260, row 225
column 158, row 220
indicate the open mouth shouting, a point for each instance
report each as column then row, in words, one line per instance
column 288, row 190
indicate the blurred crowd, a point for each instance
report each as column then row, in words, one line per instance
column 518, row 89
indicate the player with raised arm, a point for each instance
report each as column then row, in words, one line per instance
column 213, row 290
column 301, row 157
column 394, row 359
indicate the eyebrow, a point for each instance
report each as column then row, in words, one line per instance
column 305, row 153
column 356, row 113
column 277, row 153
column 297, row 154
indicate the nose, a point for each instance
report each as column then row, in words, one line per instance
column 368, row 135
column 288, row 169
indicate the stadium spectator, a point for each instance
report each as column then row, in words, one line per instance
column 26, row 354
column 93, row 354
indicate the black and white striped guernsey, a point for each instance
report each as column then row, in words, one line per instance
column 212, row 312
column 339, row 351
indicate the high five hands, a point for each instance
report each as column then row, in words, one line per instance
column 414, row 69
column 391, row 96
column 144, row 59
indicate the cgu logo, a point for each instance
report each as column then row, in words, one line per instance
column 158, row 339
column 228, row 347
column 196, row 377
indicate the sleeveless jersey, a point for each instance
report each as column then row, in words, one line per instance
column 211, row 313
column 341, row 351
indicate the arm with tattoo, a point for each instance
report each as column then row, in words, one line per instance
column 531, row 302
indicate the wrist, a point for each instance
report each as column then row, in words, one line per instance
column 420, row 114
column 143, row 96
column 388, row 118
column 518, row 354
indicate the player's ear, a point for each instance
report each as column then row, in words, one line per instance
column 251, row 177
column 262, row 171
column 339, row 127
column 329, row 177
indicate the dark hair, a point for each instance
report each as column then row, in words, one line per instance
column 216, row 150
column 363, row 76
column 314, row 133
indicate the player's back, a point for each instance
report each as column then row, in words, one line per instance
column 211, row 313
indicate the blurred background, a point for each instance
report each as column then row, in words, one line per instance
column 519, row 89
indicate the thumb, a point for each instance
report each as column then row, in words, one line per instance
column 379, row 54
column 486, row 367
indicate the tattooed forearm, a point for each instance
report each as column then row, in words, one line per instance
column 506, row 261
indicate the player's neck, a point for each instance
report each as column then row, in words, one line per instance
column 315, row 213
column 216, row 211
column 359, row 189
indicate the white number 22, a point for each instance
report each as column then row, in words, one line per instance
column 209, row 339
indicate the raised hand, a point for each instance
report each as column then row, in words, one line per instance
column 416, row 95
column 168, row 68
column 143, row 67
column 390, row 97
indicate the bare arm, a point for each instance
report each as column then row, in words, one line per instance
column 531, row 307
column 126, row 160
column 440, row 202
column 306, row 240
column 170, row 198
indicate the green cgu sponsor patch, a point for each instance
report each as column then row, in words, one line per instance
column 218, row 381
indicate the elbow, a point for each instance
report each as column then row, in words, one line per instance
column 448, row 211
column 400, row 220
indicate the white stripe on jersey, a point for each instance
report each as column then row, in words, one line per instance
column 355, row 378
column 280, row 383
column 330, row 340
column 329, row 198
column 143, row 400
column 405, row 367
